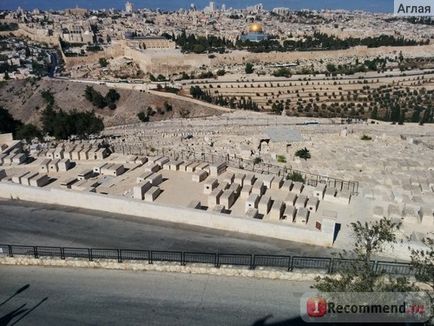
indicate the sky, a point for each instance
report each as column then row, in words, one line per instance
column 367, row 5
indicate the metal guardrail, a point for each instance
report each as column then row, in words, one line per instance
column 252, row 261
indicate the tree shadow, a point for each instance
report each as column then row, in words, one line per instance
column 22, row 289
column 20, row 312
column 6, row 319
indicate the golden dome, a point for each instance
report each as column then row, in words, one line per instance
column 255, row 28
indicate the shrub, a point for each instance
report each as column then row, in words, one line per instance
column 281, row 159
column 103, row 62
column 143, row 116
column 303, row 153
column 295, row 176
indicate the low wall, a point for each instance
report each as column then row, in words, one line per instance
column 262, row 273
column 173, row 214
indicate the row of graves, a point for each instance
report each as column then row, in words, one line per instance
column 147, row 185
column 259, row 203
column 15, row 156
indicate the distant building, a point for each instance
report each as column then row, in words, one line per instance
column 255, row 34
column 256, row 8
column 77, row 33
column 211, row 7
column 78, row 12
column 281, row 11
column 149, row 42
column 128, row 7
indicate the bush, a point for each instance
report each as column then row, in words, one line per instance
column 281, row 159
column 366, row 137
column 295, row 176
column 303, row 153
column 249, row 68
column 282, row 72
column 62, row 125
column 143, row 116
column 48, row 96
column 102, row 101
column 28, row 132
column 7, row 122
column 103, row 62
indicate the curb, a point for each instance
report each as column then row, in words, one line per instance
column 128, row 265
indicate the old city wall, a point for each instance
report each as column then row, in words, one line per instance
column 24, row 31
column 165, row 61
column 116, row 50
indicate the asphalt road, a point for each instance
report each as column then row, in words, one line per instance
column 63, row 296
column 35, row 224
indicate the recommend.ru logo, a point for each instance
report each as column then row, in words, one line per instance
column 365, row 307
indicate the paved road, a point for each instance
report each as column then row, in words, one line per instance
column 35, row 224
column 63, row 296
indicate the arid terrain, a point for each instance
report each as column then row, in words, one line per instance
column 24, row 101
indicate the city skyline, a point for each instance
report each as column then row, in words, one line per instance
column 377, row 6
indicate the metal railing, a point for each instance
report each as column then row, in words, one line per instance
column 310, row 179
column 252, row 261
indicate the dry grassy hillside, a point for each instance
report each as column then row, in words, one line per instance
column 23, row 99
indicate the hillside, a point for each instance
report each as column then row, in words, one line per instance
column 24, row 101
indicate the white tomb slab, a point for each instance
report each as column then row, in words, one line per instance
column 276, row 211
column 252, row 201
column 210, row 185
column 264, row 205
column 228, row 198
column 277, row 183
column 152, row 194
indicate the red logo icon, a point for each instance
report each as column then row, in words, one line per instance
column 316, row 307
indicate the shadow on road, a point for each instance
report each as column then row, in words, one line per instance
column 22, row 289
column 21, row 311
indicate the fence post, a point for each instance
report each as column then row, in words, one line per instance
column 183, row 259
column 11, row 253
column 90, row 254
column 291, row 264
column 35, row 251
column 330, row 271
column 119, row 256
column 150, row 257
column 62, row 253
column 252, row 262
column 217, row 260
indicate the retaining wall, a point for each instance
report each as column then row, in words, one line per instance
column 120, row 205
column 263, row 273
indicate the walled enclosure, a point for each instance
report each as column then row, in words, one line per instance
column 172, row 214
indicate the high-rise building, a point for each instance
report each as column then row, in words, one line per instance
column 281, row 10
column 128, row 7
column 212, row 6
column 223, row 7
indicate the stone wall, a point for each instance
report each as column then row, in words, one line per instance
column 173, row 214
column 228, row 270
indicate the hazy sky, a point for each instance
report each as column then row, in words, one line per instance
column 369, row 5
